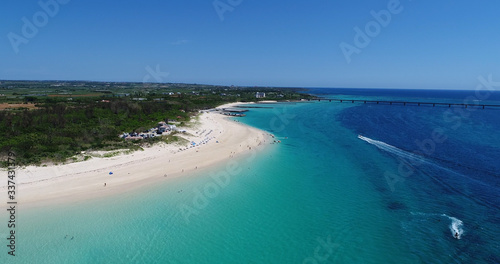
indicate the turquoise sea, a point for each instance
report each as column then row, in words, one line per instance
column 349, row 183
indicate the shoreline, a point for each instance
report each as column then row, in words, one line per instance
column 221, row 139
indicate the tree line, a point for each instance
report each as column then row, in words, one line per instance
column 58, row 130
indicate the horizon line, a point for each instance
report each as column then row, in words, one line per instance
column 245, row 86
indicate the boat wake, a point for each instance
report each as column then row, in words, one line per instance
column 396, row 151
column 456, row 225
column 416, row 160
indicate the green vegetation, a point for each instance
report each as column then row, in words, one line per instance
column 63, row 119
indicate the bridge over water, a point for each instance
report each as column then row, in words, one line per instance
column 410, row 103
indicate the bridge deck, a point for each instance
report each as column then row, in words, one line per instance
column 404, row 103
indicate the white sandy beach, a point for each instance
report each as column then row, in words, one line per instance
column 224, row 139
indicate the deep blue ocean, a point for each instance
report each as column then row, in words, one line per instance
column 445, row 167
column 349, row 183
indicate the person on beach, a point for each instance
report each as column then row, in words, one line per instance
column 104, row 184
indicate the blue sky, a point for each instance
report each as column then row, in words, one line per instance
column 428, row 44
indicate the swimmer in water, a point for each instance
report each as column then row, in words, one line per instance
column 456, row 235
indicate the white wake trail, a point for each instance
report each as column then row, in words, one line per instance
column 456, row 225
column 394, row 150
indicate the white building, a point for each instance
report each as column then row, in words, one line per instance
column 260, row 95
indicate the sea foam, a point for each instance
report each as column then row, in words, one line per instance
column 456, row 225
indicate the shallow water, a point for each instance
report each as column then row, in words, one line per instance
column 322, row 195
